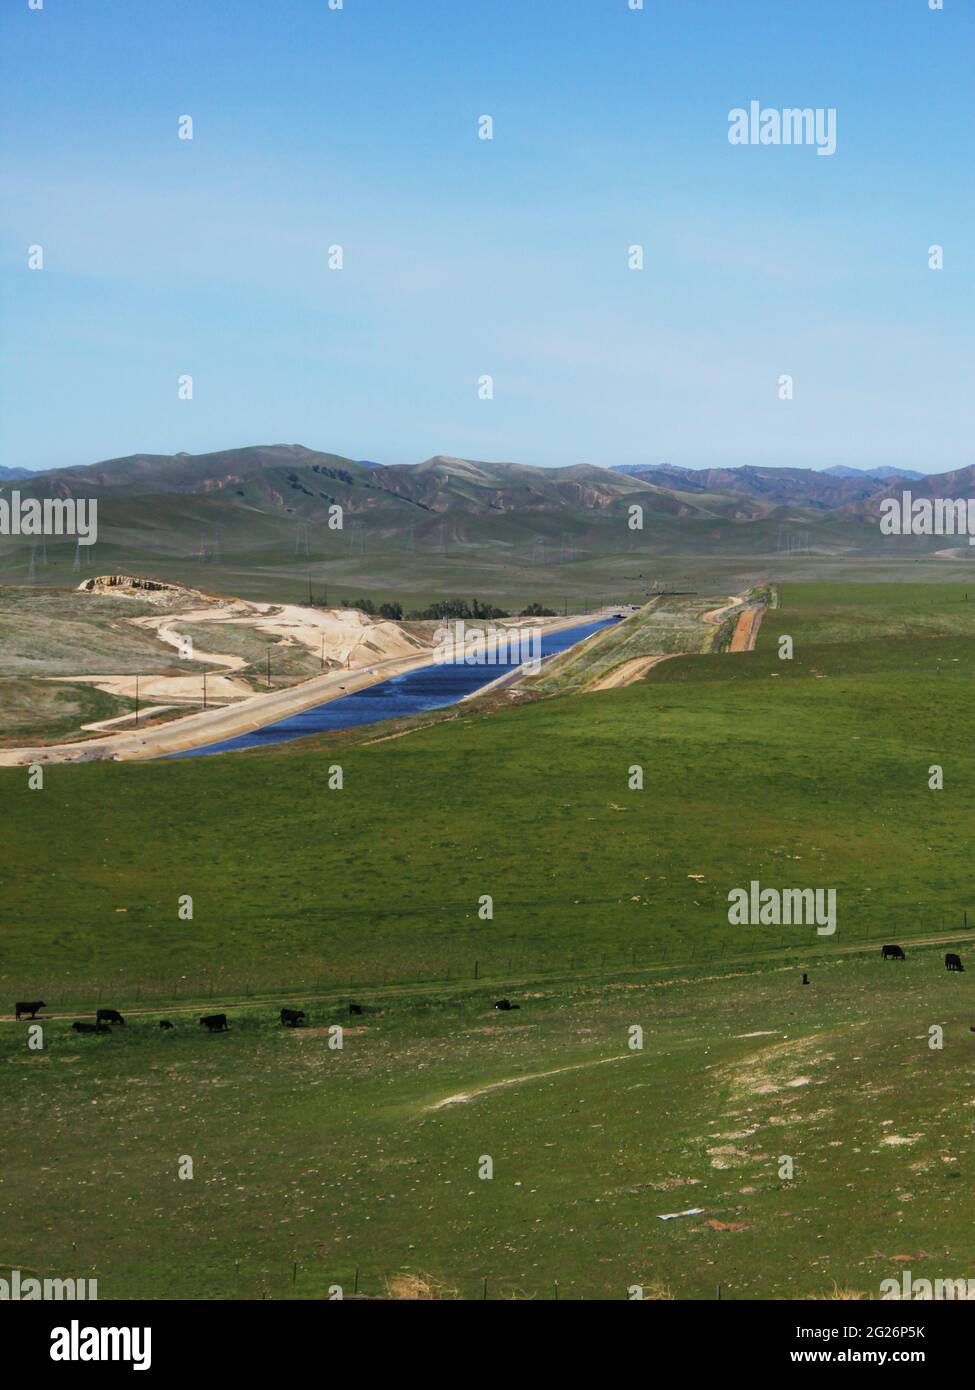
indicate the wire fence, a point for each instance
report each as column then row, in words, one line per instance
column 720, row 947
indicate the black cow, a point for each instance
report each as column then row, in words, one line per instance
column 953, row 962
column 892, row 953
column 109, row 1016
column 165, row 1023
column 355, row 1008
column 292, row 1017
column 505, row 1004
column 91, row 1027
column 215, row 1023
column 805, row 979
column 29, row 1008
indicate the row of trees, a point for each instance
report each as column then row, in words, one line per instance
column 446, row 608
column 366, row 605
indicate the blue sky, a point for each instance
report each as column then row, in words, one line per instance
column 466, row 257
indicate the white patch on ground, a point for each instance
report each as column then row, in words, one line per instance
column 727, row 1156
column 462, row 1097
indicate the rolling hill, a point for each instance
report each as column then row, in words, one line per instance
column 256, row 521
column 821, row 491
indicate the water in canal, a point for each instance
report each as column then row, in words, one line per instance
column 430, row 687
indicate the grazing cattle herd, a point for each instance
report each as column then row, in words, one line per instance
column 295, row 1018
column 213, row 1023
column 952, row 960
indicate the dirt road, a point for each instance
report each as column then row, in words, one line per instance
column 746, row 630
column 629, row 672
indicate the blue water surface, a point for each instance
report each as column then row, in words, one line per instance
column 430, row 687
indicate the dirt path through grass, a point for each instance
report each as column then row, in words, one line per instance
column 462, row 1097
column 629, row 672
column 746, row 630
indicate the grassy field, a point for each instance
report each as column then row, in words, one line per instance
column 261, row 557
column 810, row 772
column 311, row 1163
column 610, row 909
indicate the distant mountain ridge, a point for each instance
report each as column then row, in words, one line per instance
column 840, row 470
column 263, row 499
column 824, row 491
column 829, row 487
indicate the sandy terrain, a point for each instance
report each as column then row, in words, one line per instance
column 350, row 638
column 341, row 637
column 176, row 689
column 166, row 632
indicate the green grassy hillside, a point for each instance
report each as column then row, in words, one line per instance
column 812, row 772
column 310, row 1164
column 610, row 911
